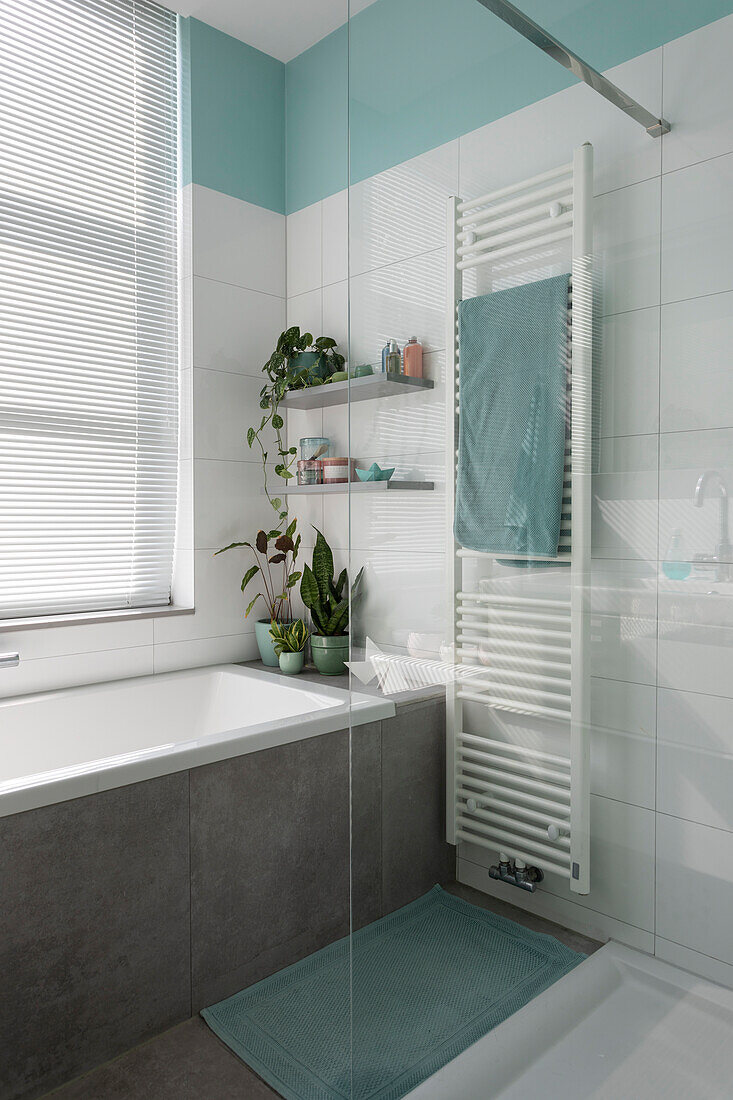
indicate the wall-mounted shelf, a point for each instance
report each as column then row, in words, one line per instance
column 358, row 389
column 357, row 487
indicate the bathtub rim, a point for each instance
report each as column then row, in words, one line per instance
column 51, row 788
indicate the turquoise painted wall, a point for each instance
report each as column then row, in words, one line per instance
column 403, row 77
column 421, row 72
column 233, row 116
column 317, row 121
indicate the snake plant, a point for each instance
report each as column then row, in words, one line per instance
column 289, row 639
column 327, row 597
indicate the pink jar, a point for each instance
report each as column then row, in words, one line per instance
column 339, row 470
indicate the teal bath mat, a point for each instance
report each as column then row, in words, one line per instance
column 427, row 981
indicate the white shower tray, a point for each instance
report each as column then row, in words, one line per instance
column 621, row 1026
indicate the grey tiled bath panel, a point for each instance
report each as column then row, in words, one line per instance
column 94, row 930
column 269, row 862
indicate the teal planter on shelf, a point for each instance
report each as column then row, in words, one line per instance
column 329, row 653
column 305, row 361
column 291, row 663
column 265, row 643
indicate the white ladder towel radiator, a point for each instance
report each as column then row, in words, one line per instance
column 529, row 805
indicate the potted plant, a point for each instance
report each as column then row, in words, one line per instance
column 289, row 645
column 327, row 599
column 283, row 552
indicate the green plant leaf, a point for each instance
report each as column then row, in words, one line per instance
column 253, row 569
column 290, row 529
column 339, row 619
column 309, row 589
column 276, row 502
column 322, row 565
column 251, row 604
column 293, row 579
column 277, row 422
column 274, row 534
column 341, row 584
column 325, row 342
column 250, row 436
column 232, row 546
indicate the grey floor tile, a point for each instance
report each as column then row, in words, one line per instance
column 186, row 1063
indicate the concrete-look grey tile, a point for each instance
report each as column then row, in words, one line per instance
column 415, row 854
column 94, row 930
column 186, row 1063
column 269, row 861
column 366, row 824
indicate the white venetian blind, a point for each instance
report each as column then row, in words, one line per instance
column 88, row 305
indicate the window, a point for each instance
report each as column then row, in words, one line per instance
column 88, row 305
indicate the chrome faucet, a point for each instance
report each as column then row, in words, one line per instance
column 723, row 550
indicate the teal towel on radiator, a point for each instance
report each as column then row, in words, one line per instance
column 513, row 351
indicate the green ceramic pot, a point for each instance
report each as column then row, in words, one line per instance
column 305, row 360
column 265, row 643
column 329, row 653
column 291, row 663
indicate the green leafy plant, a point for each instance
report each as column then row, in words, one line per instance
column 283, row 375
column 327, row 597
column 284, row 552
column 289, row 639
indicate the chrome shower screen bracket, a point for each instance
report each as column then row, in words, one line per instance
column 534, row 33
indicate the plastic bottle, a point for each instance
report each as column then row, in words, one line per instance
column 412, row 358
column 393, row 360
column 674, row 565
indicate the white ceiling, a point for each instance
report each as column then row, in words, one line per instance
column 281, row 28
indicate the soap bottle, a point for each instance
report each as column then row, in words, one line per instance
column 385, row 353
column 393, row 359
column 412, row 358
column 674, row 565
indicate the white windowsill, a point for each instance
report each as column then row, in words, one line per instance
column 80, row 617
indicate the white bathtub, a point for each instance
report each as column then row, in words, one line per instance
column 64, row 744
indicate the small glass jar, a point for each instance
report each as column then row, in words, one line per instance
column 310, row 471
column 315, row 446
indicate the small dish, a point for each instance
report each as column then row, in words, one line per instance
column 374, row 473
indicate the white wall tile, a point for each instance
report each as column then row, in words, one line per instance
column 628, row 375
column 695, row 657
column 698, row 91
column 697, row 230
column 696, row 376
column 623, row 648
column 66, row 641
column 621, row 587
column 623, row 722
column 335, row 320
column 403, row 594
column 624, row 514
column 223, row 409
column 695, row 757
column 683, row 457
column 304, row 250
column 544, row 134
column 695, row 886
column 397, row 302
column 170, row 656
column 335, row 238
column 234, row 329
column 236, row 242
column 75, row 669
column 402, row 212
column 229, row 504
column 627, row 247
column 220, row 603
column 306, row 310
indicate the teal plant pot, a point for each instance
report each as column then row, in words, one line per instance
column 265, row 643
column 291, row 663
column 329, row 654
column 304, row 362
